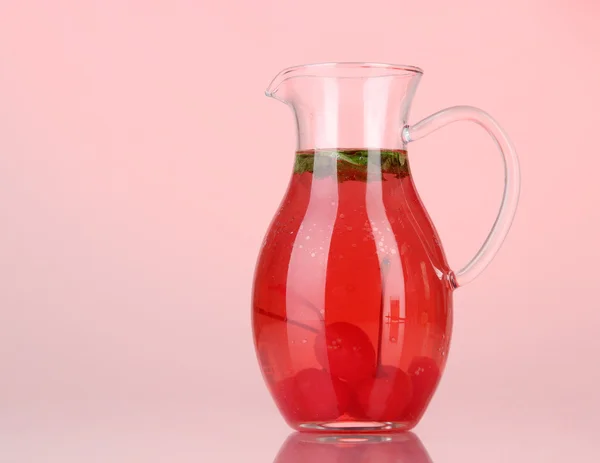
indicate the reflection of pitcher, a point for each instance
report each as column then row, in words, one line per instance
column 398, row 448
column 352, row 306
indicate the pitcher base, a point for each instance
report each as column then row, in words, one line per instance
column 356, row 426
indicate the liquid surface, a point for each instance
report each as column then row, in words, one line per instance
column 351, row 307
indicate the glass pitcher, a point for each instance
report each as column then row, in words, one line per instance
column 352, row 296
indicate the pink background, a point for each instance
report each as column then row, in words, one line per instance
column 140, row 164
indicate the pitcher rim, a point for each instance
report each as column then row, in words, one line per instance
column 393, row 69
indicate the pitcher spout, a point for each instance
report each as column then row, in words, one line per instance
column 276, row 83
column 277, row 87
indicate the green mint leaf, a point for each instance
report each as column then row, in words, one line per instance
column 352, row 164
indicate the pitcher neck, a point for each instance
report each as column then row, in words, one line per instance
column 348, row 105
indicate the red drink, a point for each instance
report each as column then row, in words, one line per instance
column 352, row 302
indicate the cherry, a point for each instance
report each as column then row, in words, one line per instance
column 313, row 395
column 346, row 351
column 386, row 396
column 424, row 374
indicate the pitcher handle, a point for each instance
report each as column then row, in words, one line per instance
column 512, row 180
